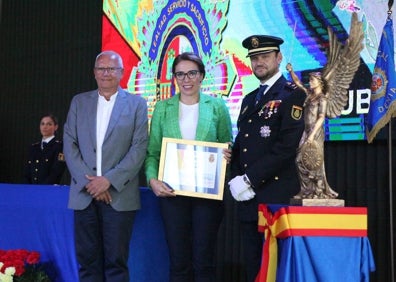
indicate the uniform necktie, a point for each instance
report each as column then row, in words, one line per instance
column 260, row 92
column 43, row 145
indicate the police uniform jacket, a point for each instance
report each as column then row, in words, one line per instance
column 45, row 166
column 266, row 143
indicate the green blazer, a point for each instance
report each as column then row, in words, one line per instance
column 214, row 125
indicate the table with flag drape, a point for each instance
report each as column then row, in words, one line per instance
column 314, row 244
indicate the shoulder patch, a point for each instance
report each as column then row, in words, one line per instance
column 61, row 157
column 296, row 112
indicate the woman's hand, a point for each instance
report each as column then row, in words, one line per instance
column 227, row 153
column 161, row 189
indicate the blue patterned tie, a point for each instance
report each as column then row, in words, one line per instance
column 260, row 92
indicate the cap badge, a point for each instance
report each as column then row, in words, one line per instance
column 255, row 42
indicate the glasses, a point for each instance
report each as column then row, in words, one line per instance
column 190, row 74
column 108, row 70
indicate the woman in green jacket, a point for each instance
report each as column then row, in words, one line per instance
column 191, row 223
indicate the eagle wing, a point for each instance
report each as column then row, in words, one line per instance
column 342, row 63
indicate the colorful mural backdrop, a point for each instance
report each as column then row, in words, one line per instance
column 149, row 34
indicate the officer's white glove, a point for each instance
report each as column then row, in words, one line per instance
column 247, row 195
column 240, row 189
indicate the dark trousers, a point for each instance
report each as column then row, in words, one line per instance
column 252, row 245
column 102, row 237
column 191, row 226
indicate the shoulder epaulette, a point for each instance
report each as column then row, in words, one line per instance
column 291, row 85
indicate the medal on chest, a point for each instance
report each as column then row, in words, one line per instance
column 265, row 131
column 270, row 108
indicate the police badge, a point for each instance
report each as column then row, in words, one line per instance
column 296, row 112
column 61, row 157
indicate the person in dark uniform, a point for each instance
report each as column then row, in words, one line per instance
column 270, row 125
column 45, row 163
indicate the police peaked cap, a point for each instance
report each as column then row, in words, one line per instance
column 260, row 44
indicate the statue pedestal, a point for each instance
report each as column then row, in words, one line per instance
column 318, row 202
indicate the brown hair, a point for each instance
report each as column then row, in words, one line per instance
column 51, row 116
column 188, row 56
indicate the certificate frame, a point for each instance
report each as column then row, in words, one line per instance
column 193, row 168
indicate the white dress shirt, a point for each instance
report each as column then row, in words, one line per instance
column 271, row 81
column 188, row 120
column 103, row 115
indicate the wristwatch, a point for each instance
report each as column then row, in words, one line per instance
column 246, row 180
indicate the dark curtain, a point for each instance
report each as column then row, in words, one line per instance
column 47, row 53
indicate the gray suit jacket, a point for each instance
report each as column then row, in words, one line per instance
column 123, row 150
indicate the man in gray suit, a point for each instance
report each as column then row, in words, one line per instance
column 105, row 141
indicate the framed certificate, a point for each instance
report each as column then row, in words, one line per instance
column 193, row 168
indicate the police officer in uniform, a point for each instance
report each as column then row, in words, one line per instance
column 270, row 125
column 45, row 163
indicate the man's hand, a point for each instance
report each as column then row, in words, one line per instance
column 247, row 195
column 240, row 190
column 227, row 153
column 97, row 185
column 104, row 197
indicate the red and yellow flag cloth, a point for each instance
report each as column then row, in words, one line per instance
column 305, row 221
